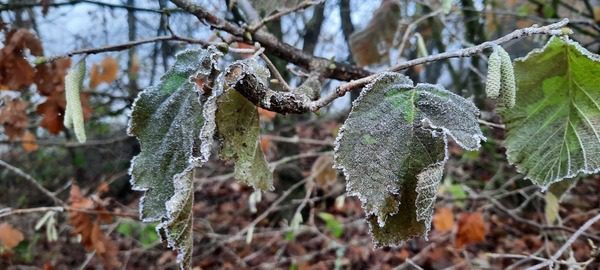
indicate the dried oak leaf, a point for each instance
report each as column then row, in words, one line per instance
column 87, row 225
column 53, row 109
column 471, row 229
column 443, row 220
column 9, row 236
column 13, row 117
column 15, row 71
column 50, row 77
column 106, row 72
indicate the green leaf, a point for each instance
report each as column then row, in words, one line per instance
column 167, row 119
column 554, row 128
column 392, row 149
column 239, row 130
column 333, row 225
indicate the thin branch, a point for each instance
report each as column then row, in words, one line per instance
column 551, row 29
column 123, row 46
column 411, row 27
column 566, row 245
column 303, row 5
column 70, row 144
column 9, row 211
column 275, row 72
column 296, row 139
column 272, row 44
column 32, row 181
column 17, row 6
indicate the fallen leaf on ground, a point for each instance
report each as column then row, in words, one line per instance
column 471, row 229
column 443, row 220
column 87, row 225
column 9, row 236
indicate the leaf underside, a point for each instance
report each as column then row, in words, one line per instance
column 167, row 119
column 554, row 129
column 392, row 149
column 239, row 130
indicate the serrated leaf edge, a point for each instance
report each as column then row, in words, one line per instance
column 534, row 52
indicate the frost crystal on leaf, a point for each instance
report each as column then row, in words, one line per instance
column 554, row 128
column 166, row 119
column 392, row 149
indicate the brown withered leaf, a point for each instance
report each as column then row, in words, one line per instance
column 266, row 115
column 53, row 109
column 87, row 225
column 9, row 236
column 50, row 77
column 371, row 45
column 443, row 220
column 105, row 71
column 15, row 72
column 28, row 142
column 471, row 229
column 323, row 171
column 13, row 117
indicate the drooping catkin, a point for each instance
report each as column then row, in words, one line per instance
column 493, row 83
column 74, row 112
column 509, row 87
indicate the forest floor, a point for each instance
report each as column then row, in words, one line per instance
column 487, row 217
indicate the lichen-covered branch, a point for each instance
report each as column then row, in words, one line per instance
column 286, row 102
column 339, row 71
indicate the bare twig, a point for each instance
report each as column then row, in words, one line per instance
column 70, row 144
column 17, row 6
column 9, row 211
column 411, row 27
column 123, row 46
column 273, row 45
column 303, row 5
column 32, row 181
column 551, row 29
column 296, row 139
column 275, row 72
column 550, row 262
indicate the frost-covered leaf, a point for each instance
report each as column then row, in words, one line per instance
column 239, row 130
column 178, row 224
column 392, row 149
column 166, row 119
column 554, row 129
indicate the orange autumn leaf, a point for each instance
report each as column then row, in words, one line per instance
column 443, row 220
column 15, row 71
column 28, row 142
column 471, row 229
column 105, row 72
column 53, row 109
column 266, row 115
column 9, row 236
column 265, row 144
